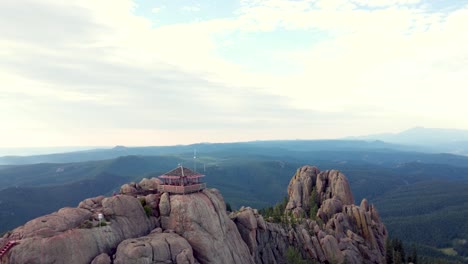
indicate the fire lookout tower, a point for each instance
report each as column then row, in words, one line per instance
column 181, row 181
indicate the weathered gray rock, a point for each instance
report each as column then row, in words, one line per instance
column 329, row 208
column 152, row 200
column 91, row 203
column 155, row 248
column 272, row 245
column 128, row 188
column 55, row 223
column 299, row 190
column 331, row 249
column 202, row 220
column 165, row 205
column 333, row 183
column 149, row 184
column 102, row 259
column 247, row 224
column 331, row 242
column 318, row 250
column 58, row 238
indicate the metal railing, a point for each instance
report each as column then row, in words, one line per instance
column 182, row 189
column 8, row 243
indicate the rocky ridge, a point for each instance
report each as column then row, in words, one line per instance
column 141, row 226
column 340, row 232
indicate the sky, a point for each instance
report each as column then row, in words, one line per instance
column 151, row 72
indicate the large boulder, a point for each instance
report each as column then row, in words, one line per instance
column 71, row 235
column 333, row 183
column 149, row 184
column 128, row 188
column 102, row 259
column 329, row 208
column 165, row 205
column 247, row 224
column 201, row 219
column 331, row 249
column 55, row 223
column 155, row 248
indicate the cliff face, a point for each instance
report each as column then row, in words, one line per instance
column 195, row 228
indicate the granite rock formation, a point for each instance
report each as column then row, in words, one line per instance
column 73, row 235
column 201, row 219
column 157, row 247
column 340, row 232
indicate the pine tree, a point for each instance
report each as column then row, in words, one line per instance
column 389, row 251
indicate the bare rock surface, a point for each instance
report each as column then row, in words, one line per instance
column 340, row 232
column 155, row 248
column 71, row 236
column 333, row 183
column 267, row 241
column 300, row 189
column 149, row 184
column 247, row 223
column 102, row 259
column 329, row 208
column 201, row 219
column 129, row 188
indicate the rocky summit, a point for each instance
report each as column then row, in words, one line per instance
column 139, row 225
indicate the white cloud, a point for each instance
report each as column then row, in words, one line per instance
column 395, row 61
column 381, row 3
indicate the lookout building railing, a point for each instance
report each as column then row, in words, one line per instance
column 182, row 189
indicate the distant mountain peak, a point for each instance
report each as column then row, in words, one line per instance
column 119, row 147
column 442, row 139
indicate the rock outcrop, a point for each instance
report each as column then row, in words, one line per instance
column 327, row 185
column 72, row 235
column 267, row 241
column 340, row 232
column 144, row 185
column 201, row 219
column 156, row 247
column 320, row 220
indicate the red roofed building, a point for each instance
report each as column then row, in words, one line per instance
column 181, row 181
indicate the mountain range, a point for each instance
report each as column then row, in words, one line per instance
column 431, row 139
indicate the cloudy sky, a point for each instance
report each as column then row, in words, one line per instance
column 161, row 72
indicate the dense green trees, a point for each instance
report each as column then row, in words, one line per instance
column 313, row 204
column 275, row 213
column 294, row 257
column 228, row 207
column 395, row 252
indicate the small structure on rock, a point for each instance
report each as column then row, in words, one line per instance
column 181, row 181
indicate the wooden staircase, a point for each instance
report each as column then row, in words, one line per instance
column 10, row 242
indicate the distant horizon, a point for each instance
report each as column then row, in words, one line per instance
column 43, row 150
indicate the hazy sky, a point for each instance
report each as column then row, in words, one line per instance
column 150, row 72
